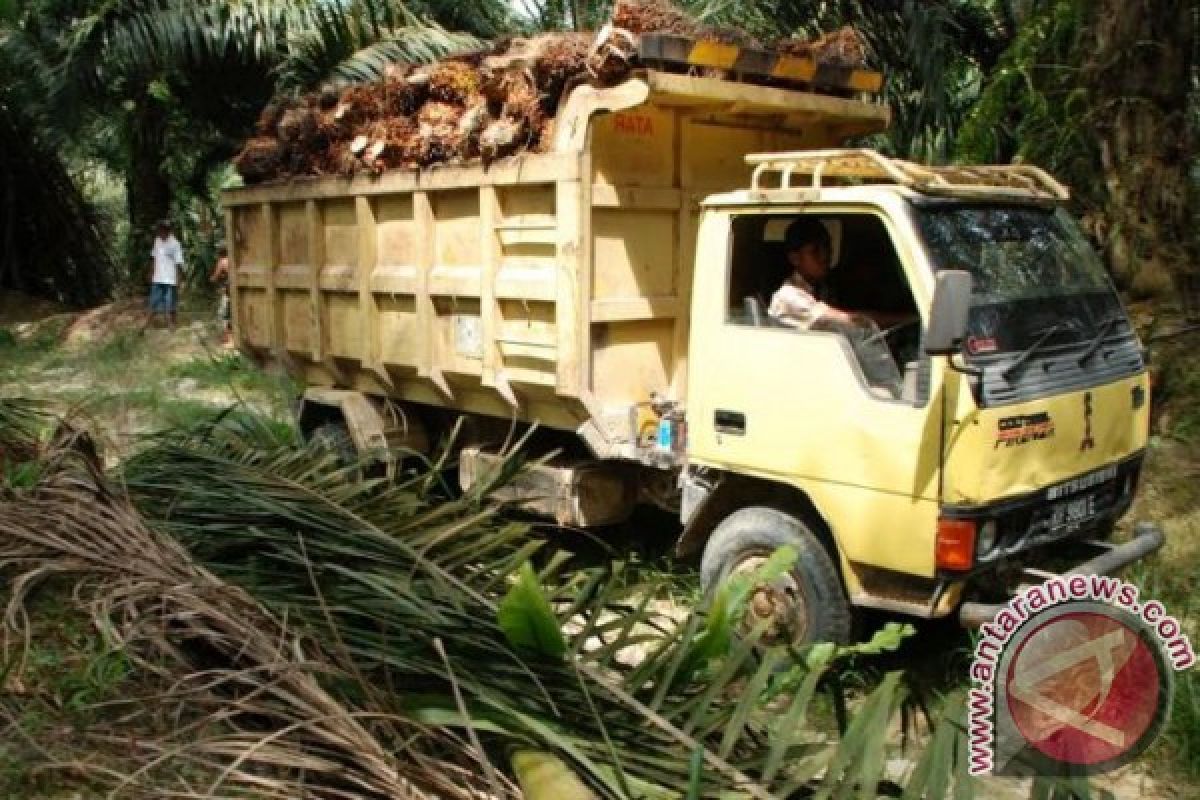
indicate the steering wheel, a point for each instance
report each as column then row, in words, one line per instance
column 884, row 334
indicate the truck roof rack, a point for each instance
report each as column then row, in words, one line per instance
column 1018, row 180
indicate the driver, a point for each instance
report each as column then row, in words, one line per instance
column 798, row 303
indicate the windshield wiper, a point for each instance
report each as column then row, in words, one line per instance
column 1029, row 352
column 1105, row 329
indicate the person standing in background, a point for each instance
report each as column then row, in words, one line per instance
column 166, row 258
column 220, row 276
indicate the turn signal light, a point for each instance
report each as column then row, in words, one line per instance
column 955, row 547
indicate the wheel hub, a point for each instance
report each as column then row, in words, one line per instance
column 777, row 606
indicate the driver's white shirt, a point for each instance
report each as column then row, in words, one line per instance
column 795, row 304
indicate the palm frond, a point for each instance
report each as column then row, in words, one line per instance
column 343, row 56
column 158, row 604
column 424, row 568
column 133, row 39
column 367, row 616
column 482, row 18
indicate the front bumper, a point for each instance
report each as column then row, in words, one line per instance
column 1030, row 525
column 1147, row 538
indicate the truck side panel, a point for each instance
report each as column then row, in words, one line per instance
column 386, row 291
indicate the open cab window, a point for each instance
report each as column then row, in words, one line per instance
column 863, row 295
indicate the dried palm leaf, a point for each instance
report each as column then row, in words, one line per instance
column 396, row 641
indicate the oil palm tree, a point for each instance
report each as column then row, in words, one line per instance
column 1102, row 93
column 216, row 63
column 51, row 240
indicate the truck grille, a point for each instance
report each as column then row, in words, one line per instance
column 1058, row 370
column 1084, row 505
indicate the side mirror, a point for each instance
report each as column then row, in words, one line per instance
column 948, row 318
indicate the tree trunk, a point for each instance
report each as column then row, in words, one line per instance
column 148, row 192
column 9, row 251
column 1139, row 77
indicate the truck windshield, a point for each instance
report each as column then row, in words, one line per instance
column 1040, row 295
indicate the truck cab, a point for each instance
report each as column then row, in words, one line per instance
column 996, row 429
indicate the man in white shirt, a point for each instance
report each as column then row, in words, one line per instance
column 166, row 259
column 809, row 252
column 797, row 302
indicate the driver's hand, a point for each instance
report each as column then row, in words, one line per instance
column 861, row 323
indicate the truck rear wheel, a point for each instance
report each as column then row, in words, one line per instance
column 807, row 603
column 335, row 438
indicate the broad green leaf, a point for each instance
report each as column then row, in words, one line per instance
column 964, row 783
column 786, row 733
column 820, row 654
column 860, row 754
column 545, row 776
column 740, row 586
column 751, row 701
column 527, row 619
column 887, row 639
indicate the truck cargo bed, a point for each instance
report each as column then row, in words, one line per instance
column 552, row 287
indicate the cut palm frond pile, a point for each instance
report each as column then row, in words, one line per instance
column 375, row 638
column 487, row 105
column 19, row 422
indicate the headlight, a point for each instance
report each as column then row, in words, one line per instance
column 986, row 539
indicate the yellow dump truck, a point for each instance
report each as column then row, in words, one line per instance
column 614, row 295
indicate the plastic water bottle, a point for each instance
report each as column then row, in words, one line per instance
column 665, row 437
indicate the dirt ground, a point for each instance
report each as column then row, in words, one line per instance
column 17, row 307
column 125, row 380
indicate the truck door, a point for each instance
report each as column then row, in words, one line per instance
column 844, row 415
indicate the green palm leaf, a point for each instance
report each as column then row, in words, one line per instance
column 527, row 619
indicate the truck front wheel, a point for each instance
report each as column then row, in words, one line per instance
column 805, row 604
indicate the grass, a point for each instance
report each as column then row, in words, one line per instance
column 1179, row 388
column 223, row 370
column 128, row 383
column 17, row 353
column 1170, row 496
column 65, row 682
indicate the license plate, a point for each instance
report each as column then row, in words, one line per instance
column 1073, row 513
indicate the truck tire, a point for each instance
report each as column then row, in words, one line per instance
column 808, row 603
column 335, row 437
